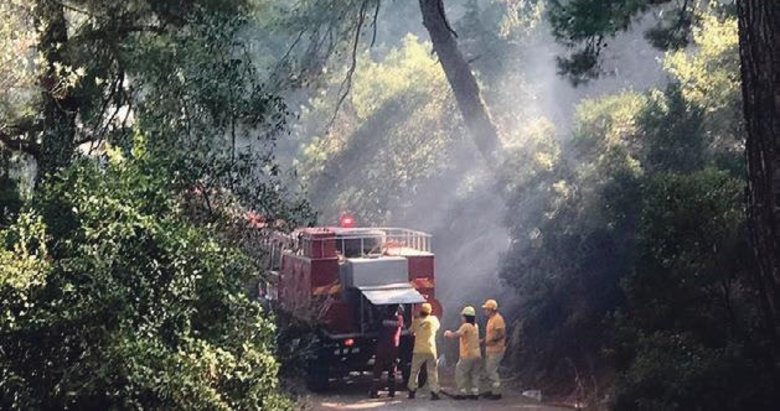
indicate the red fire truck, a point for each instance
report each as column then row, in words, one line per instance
column 342, row 278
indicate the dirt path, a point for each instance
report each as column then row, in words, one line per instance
column 351, row 393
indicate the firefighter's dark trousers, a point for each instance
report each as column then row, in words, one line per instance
column 385, row 361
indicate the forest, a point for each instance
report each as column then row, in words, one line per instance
column 607, row 169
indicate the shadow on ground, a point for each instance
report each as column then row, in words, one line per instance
column 351, row 393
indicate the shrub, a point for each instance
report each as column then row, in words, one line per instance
column 120, row 302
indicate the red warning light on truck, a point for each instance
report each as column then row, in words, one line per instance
column 346, row 221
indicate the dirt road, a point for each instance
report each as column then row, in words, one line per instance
column 351, row 393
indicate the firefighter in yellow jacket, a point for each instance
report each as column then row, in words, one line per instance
column 468, row 368
column 495, row 346
column 424, row 329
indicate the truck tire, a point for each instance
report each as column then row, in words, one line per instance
column 318, row 376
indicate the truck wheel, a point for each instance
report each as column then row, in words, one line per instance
column 317, row 376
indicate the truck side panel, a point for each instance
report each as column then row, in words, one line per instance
column 328, row 290
column 421, row 274
column 325, row 272
column 295, row 291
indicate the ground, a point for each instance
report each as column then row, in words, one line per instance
column 351, row 393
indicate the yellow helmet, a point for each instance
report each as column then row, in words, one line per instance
column 469, row 310
column 490, row 304
column 426, row 308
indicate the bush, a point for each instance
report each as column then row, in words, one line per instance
column 120, row 302
column 634, row 254
column 683, row 335
column 675, row 371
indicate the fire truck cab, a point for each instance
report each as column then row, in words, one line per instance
column 343, row 279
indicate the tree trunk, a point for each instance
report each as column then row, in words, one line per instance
column 461, row 80
column 759, row 43
column 59, row 106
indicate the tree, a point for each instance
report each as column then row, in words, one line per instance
column 120, row 302
column 123, row 281
column 680, row 336
column 347, row 21
column 18, row 38
column 461, row 79
column 588, row 22
column 759, row 30
column 182, row 73
column 365, row 166
column 60, row 104
column 638, row 247
column 587, row 26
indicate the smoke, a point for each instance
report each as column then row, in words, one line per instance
column 464, row 212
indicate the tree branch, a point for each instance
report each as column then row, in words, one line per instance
column 346, row 85
column 376, row 17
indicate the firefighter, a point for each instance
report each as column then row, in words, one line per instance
column 467, row 370
column 388, row 339
column 424, row 329
column 495, row 346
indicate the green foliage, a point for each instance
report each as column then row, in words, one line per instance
column 207, row 115
column 588, row 25
column 10, row 199
column 583, row 19
column 570, row 231
column 674, row 371
column 710, row 80
column 113, row 65
column 120, row 302
column 488, row 30
column 22, row 257
column 691, row 239
column 685, row 347
column 637, row 249
column 679, row 143
column 398, row 136
column 131, row 289
column 404, row 98
column 18, row 61
column 318, row 31
column 589, row 22
column 609, row 123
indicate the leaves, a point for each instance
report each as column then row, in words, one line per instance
column 19, row 61
column 132, row 306
column 637, row 247
column 132, row 289
column 353, row 169
column 587, row 26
